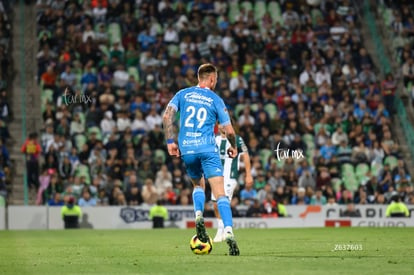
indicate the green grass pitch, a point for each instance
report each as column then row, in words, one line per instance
column 166, row 251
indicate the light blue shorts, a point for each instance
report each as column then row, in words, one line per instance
column 207, row 164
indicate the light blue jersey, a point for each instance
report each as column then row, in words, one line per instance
column 200, row 109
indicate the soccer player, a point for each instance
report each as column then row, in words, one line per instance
column 231, row 173
column 200, row 108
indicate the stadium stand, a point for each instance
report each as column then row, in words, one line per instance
column 6, row 167
column 293, row 75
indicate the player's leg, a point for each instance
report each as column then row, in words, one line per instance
column 213, row 171
column 229, row 187
column 223, row 205
column 194, row 170
column 220, row 225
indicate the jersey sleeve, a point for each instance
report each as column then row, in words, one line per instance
column 223, row 114
column 241, row 146
column 175, row 101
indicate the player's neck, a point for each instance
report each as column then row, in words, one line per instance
column 204, row 85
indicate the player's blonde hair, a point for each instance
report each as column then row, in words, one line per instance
column 205, row 70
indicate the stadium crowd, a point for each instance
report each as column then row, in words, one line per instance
column 399, row 17
column 5, row 111
column 294, row 77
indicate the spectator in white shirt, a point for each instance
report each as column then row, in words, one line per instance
column 107, row 124
column 237, row 82
column 214, row 39
column 246, row 119
column 123, row 122
column 139, row 125
column 338, row 136
column 306, row 74
column 88, row 32
column 47, row 136
column 56, row 143
column 121, row 77
column 337, row 31
column 290, row 18
column 77, row 126
column 323, row 75
column 163, row 179
column 153, row 118
column 99, row 12
column 68, row 77
column 101, row 36
column 171, row 35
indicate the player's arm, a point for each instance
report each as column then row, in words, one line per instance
column 247, row 166
column 245, row 157
column 224, row 120
column 231, row 137
column 169, row 130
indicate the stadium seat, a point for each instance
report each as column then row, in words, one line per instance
column 391, row 161
column 46, row 97
column 234, row 11
column 248, row 6
column 104, row 49
column 361, row 170
column 311, row 160
column 114, row 33
column 376, row 168
column 351, row 183
column 82, row 170
column 82, row 117
column 308, row 137
column 280, row 163
column 136, row 139
column 78, row 76
column 97, row 131
column 133, row 71
column 158, row 153
column 238, row 110
column 309, row 140
column 388, row 17
column 254, row 107
column 271, row 110
column 347, row 167
column 173, row 50
column 259, row 10
column 310, row 152
column 274, row 10
column 336, row 184
column 265, row 154
column 318, row 126
column 315, row 14
column 80, row 140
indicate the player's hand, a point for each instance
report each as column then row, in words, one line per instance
column 232, row 152
column 173, row 150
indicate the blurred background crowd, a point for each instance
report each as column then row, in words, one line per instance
column 294, row 76
column 5, row 110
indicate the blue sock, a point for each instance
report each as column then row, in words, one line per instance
column 223, row 205
column 199, row 199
